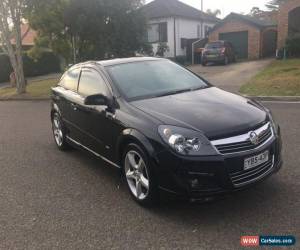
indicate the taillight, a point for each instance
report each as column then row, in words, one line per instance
column 223, row 50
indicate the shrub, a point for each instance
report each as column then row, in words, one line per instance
column 162, row 49
column 293, row 44
column 47, row 63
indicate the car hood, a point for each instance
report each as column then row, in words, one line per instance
column 214, row 112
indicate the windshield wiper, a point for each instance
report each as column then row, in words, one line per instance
column 174, row 92
column 180, row 91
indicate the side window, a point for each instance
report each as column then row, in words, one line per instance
column 91, row 83
column 70, row 79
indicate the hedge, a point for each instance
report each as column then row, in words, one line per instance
column 5, row 68
column 293, row 45
column 46, row 64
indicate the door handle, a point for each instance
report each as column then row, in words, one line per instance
column 74, row 106
column 110, row 115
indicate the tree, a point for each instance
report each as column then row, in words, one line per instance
column 47, row 18
column 91, row 29
column 215, row 13
column 10, row 26
column 255, row 11
column 274, row 4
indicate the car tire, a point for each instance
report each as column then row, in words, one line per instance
column 226, row 60
column 139, row 175
column 59, row 132
column 203, row 64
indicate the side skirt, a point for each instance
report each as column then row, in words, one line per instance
column 93, row 152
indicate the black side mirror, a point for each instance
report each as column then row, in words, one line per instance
column 97, row 100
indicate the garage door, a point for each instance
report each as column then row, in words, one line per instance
column 239, row 40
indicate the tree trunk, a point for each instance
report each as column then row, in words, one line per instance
column 12, row 10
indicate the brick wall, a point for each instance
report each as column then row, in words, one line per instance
column 283, row 20
column 254, row 36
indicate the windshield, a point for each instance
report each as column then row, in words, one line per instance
column 215, row 45
column 147, row 79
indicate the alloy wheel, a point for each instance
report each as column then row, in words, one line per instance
column 137, row 175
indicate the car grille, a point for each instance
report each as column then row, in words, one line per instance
column 245, row 177
column 242, row 143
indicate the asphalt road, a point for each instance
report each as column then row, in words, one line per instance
column 55, row 200
column 231, row 77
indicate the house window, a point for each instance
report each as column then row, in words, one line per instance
column 158, row 32
column 199, row 35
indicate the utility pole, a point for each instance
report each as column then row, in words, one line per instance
column 201, row 20
column 74, row 49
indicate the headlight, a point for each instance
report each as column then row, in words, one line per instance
column 270, row 116
column 272, row 121
column 186, row 141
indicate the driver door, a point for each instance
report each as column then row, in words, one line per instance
column 93, row 120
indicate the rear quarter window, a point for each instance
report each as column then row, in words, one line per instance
column 70, row 79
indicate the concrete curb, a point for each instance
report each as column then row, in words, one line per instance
column 258, row 98
column 275, row 98
column 24, row 99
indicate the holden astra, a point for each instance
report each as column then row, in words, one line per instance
column 165, row 128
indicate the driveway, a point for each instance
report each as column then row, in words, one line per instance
column 55, row 200
column 232, row 76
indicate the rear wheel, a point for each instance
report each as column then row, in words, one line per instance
column 203, row 64
column 59, row 132
column 139, row 176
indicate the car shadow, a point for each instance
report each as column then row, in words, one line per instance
column 238, row 205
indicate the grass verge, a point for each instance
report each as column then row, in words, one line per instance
column 36, row 89
column 280, row 78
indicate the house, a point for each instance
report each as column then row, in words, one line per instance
column 288, row 21
column 251, row 37
column 174, row 23
column 28, row 36
column 260, row 36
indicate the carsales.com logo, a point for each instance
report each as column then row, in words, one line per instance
column 254, row 241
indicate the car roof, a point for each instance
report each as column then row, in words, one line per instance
column 116, row 61
column 112, row 62
column 127, row 60
column 218, row 41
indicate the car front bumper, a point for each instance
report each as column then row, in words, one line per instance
column 197, row 177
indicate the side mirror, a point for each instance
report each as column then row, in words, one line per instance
column 97, row 100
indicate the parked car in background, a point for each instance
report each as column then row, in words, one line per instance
column 165, row 128
column 218, row 52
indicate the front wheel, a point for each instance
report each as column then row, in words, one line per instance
column 140, row 177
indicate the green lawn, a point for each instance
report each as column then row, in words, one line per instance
column 36, row 89
column 280, row 78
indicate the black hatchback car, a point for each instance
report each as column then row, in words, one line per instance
column 218, row 52
column 165, row 128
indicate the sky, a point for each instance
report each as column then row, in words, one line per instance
column 226, row 6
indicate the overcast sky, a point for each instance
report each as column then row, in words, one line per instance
column 226, row 6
